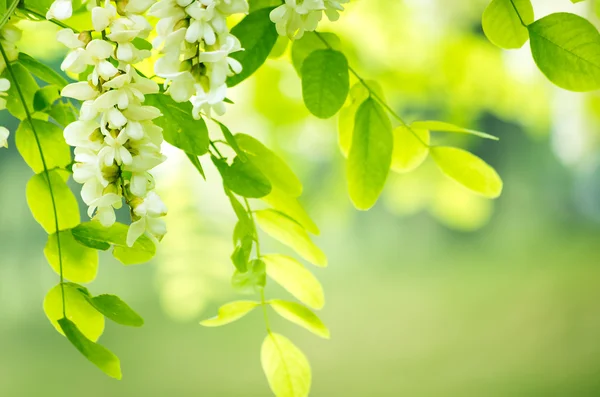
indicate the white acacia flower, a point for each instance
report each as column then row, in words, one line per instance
column 295, row 17
column 60, row 10
column 149, row 213
column 125, row 89
column 333, row 8
column 4, row 133
column 104, row 207
column 79, row 134
column 98, row 52
column 81, row 91
column 207, row 102
column 103, row 16
column 113, row 151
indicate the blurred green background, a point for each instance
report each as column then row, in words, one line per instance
column 434, row 292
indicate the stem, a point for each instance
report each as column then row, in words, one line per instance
column 512, row 3
column 46, row 172
column 374, row 94
column 43, row 17
column 9, row 12
column 212, row 144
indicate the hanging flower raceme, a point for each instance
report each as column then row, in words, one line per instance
column 295, row 17
column 195, row 42
column 116, row 142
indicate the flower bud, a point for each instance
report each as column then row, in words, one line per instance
column 85, row 37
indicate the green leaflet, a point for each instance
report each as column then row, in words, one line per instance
column 79, row 263
column 231, row 141
column 258, row 4
column 291, row 207
column 272, row 166
column 325, row 82
column 97, row 354
column 253, row 279
column 411, row 148
column 179, row 127
column 503, row 22
column 45, row 97
column 42, row 71
column 286, row 367
column 257, row 35
column 370, row 156
column 468, row 170
column 300, row 315
column 92, row 234
column 28, row 87
column 290, row 233
column 243, row 178
column 241, row 253
column 79, row 310
column 115, row 309
column 447, row 127
column 230, row 312
column 55, row 149
column 40, row 202
column 62, row 113
column 566, row 48
column 196, row 163
column 296, row 279
column 310, row 42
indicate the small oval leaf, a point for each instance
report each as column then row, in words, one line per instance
column 229, row 313
column 502, row 24
column 287, row 369
column 79, row 263
column 411, row 147
column 300, row 315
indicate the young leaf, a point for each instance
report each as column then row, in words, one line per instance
column 45, row 97
column 410, row 148
column 257, row 36
column 41, row 205
column 62, row 113
column 97, row 354
column 447, row 127
column 230, row 312
column 242, row 252
column 370, row 156
column 28, row 86
column 503, row 22
column 468, row 170
column 55, row 149
column 285, row 366
column 42, row 71
column 115, row 309
column 325, row 82
column 309, row 43
column 179, row 127
column 244, row 178
column 290, row 233
column 253, row 279
column 94, row 235
column 300, row 315
column 291, row 207
column 79, row 263
column 272, row 166
column 78, row 309
column 566, row 48
column 296, row 279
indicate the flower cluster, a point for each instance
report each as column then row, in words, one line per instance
column 116, row 142
column 295, row 17
column 194, row 37
column 9, row 35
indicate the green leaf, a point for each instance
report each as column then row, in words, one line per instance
column 347, row 115
column 42, row 71
column 62, row 113
column 179, row 127
column 468, row 170
column 290, row 233
column 230, row 312
column 286, row 367
column 271, row 165
column 78, row 309
column 231, row 141
column 244, row 226
column 243, row 178
column 300, row 315
column 45, row 97
column 97, row 354
column 447, row 127
column 566, row 48
column 141, row 44
column 253, row 280
column 241, row 254
column 370, row 156
column 115, row 309
column 411, row 148
column 79, row 263
column 258, row 4
column 28, row 87
column 296, row 279
column 40, row 202
column 310, row 42
column 196, row 163
column 92, row 234
column 325, row 82
column 55, row 149
column 291, row 207
column 257, row 35
column 503, row 22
